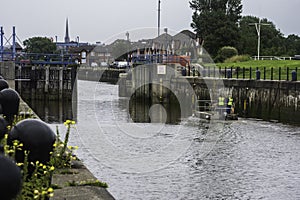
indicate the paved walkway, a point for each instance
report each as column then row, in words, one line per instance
column 77, row 174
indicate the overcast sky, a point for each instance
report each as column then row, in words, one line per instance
column 98, row 20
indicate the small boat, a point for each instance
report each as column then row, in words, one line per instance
column 203, row 115
column 205, row 110
column 224, row 115
column 231, row 116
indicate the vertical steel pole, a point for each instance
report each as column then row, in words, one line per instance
column 1, row 45
column 158, row 24
column 14, row 43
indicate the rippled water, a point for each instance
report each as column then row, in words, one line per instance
column 244, row 159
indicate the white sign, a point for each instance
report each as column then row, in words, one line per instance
column 161, row 69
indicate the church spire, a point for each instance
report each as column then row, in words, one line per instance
column 67, row 38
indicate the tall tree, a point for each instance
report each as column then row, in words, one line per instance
column 292, row 43
column 39, row 45
column 216, row 23
column 272, row 40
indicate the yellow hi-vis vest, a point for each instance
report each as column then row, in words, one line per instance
column 221, row 101
column 230, row 102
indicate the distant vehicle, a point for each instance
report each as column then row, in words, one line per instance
column 296, row 57
column 94, row 64
column 119, row 65
column 104, row 64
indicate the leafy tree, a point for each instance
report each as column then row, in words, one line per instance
column 248, row 39
column 39, row 45
column 216, row 23
column 272, row 40
column 292, row 44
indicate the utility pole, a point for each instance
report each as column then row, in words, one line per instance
column 258, row 27
column 158, row 24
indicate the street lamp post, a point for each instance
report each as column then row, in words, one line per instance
column 258, row 27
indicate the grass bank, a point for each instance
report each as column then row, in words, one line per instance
column 292, row 64
column 269, row 69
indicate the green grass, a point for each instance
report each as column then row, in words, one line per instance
column 95, row 183
column 292, row 64
column 279, row 68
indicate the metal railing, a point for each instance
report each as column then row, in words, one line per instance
column 255, row 73
column 272, row 58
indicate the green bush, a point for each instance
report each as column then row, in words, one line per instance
column 239, row 58
column 225, row 53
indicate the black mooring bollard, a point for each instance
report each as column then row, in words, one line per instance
column 183, row 71
column 294, row 75
column 10, row 179
column 3, row 84
column 37, row 138
column 229, row 73
column 3, row 127
column 9, row 100
column 257, row 75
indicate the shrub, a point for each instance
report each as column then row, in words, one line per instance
column 225, row 53
column 239, row 58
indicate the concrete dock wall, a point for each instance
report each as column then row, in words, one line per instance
column 262, row 99
column 268, row 100
column 99, row 74
column 7, row 70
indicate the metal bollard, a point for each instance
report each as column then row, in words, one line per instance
column 229, row 74
column 37, row 138
column 294, row 75
column 3, row 127
column 3, row 84
column 10, row 179
column 9, row 100
column 257, row 75
column 183, row 71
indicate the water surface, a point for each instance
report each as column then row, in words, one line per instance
column 242, row 159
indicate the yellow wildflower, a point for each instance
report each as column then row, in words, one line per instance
column 20, row 164
column 50, row 190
